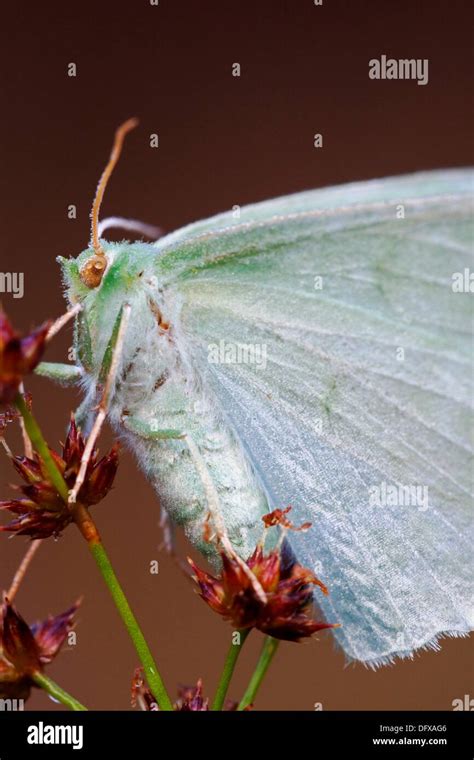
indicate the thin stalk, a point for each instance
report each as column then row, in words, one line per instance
column 57, row 692
column 146, row 658
column 229, row 666
column 270, row 646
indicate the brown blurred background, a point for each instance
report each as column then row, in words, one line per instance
column 223, row 140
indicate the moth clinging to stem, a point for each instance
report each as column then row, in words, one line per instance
column 306, row 403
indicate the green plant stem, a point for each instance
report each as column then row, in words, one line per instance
column 89, row 531
column 269, row 648
column 41, row 447
column 55, row 691
column 229, row 666
column 151, row 671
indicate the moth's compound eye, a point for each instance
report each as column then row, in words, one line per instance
column 93, row 271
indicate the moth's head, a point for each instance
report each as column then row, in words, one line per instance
column 125, row 280
column 123, row 272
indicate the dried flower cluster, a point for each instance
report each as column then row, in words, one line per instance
column 25, row 650
column 289, row 590
column 41, row 512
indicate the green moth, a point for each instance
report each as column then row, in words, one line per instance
column 314, row 352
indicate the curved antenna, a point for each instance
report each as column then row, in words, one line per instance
column 120, row 134
column 94, row 268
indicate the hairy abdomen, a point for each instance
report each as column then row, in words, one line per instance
column 175, row 404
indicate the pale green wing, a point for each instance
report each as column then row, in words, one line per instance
column 350, row 390
column 392, row 190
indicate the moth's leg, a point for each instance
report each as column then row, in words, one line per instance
column 147, row 430
column 133, row 225
column 65, row 374
column 63, row 320
column 110, row 364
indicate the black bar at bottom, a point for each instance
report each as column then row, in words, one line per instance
column 138, row 734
